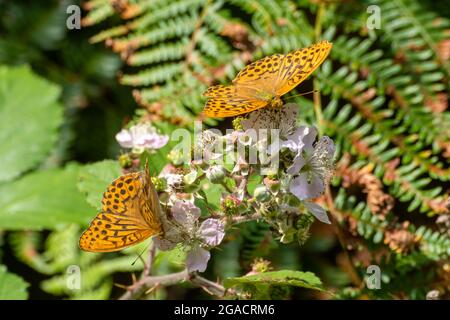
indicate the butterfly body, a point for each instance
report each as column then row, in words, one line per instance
column 276, row 102
column 264, row 82
column 130, row 214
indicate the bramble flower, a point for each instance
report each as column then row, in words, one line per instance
column 141, row 137
column 210, row 234
column 283, row 119
column 186, row 213
column 215, row 173
column 192, row 234
column 313, row 166
column 174, row 181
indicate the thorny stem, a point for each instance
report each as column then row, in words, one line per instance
column 138, row 289
column 148, row 267
column 213, row 288
column 246, row 218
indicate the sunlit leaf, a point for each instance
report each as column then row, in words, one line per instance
column 12, row 287
column 29, row 118
column 43, row 199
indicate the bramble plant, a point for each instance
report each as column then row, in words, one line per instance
column 288, row 169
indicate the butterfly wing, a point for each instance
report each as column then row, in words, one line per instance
column 154, row 214
column 299, row 64
column 220, row 91
column 127, row 216
column 261, row 74
column 230, row 101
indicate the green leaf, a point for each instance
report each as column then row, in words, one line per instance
column 157, row 160
column 29, row 118
column 12, row 287
column 213, row 193
column 171, row 258
column 43, row 200
column 95, row 178
column 281, row 278
column 253, row 182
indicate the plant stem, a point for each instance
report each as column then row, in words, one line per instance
column 212, row 288
column 316, row 85
column 147, row 281
column 151, row 256
column 138, row 289
column 335, row 222
column 246, row 218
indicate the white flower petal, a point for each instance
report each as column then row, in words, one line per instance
column 155, row 141
column 304, row 189
column 197, row 260
column 212, row 231
column 297, row 164
column 185, row 212
column 124, row 138
column 317, row 211
column 298, row 134
column 141, row 136
column 292, row 145
column 309, row 138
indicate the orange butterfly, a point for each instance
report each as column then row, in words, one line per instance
column 130, row 214
column 263, row 82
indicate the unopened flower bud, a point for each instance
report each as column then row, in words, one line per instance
column 175, row 156
column 237, row 125
column 190, row 177
column 286, row 229
column 260, row 265
column 261, row 194
column 230, row 205
column 215, row 174
column 159, row 183
column 302, row 236
column 125, row 161
column 272, row 184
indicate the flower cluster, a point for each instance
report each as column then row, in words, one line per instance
column 290, row 166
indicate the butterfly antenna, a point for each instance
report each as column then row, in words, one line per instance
column 139, row 257
column 301, row 94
